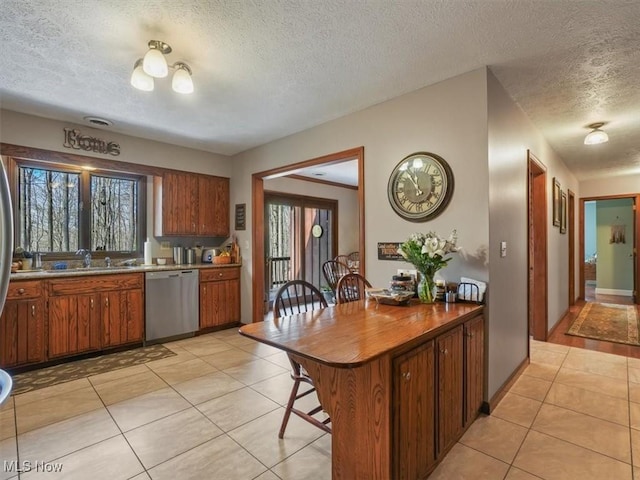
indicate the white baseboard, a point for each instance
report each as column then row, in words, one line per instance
column 614, row 291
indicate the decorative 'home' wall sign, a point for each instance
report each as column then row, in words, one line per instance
column 74, row 139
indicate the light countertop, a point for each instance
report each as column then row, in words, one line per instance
column 98, row 270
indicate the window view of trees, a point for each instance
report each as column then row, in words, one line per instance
column 50, row 217
column 49, row 210
column 114, row 213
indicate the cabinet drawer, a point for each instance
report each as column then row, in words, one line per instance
column 213, row 274
column 18, row 290
column 95, row 284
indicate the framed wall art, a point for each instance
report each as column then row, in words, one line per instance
column 563, row 212
column 241, row 216
column 556, row 202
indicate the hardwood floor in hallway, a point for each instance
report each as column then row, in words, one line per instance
column 560, row 337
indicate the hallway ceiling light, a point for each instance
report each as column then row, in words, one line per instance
column 154, row 65
column 596, row 136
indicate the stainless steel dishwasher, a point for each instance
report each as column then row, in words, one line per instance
column 171, row 304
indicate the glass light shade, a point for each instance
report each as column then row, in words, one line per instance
column 182, row 82
column 155, row 64
column 595, row 137
column 141, row 80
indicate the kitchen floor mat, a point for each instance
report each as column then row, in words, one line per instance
column 65, row 372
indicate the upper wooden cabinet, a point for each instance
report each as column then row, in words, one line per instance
column 191, row 204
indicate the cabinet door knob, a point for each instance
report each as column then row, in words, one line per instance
column 220, row 274
column 20, row 291
column 444, row 351
column 33, row 310
column 91, row 304
column 406, row 376
column 106, row 302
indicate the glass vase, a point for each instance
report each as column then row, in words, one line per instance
column 426, row 287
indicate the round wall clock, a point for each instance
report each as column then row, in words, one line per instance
column 420, row 186
column 316, row 231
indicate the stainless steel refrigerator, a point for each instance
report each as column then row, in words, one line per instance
column 6, row 254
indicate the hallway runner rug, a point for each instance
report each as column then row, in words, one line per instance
column 65, row 372
column 608, row 322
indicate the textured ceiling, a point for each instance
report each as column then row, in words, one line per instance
column 264, row 69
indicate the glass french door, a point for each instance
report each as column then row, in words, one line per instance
column 300, row 235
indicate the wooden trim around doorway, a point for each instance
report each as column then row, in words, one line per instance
column 537, row 270
column 636, row 239
column 571, row 220
column 257, row 195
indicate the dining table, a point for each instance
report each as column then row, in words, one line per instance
column 351, row 351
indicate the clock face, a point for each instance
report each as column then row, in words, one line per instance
column 316, row 231
column 420, row 186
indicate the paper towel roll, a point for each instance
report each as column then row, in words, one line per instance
column 148, row 259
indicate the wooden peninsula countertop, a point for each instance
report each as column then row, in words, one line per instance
column 400, row 383
column 351, row 334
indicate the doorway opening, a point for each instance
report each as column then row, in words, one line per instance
column 609, row 267
column 300, row 235
column 259, row 256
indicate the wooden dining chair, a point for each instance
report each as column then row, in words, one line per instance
column 298, row 296
column 354, row 262
column 351, row 287
column 342, row 259
column 333, row 271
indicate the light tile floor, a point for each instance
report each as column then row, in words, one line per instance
column 213, row 412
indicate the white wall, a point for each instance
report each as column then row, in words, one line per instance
column 447, row 119
column 348, row 234
column 37, row 132
column 621, row 185
column 510, row 134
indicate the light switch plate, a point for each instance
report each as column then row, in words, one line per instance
column 503, row 249
column 165, row 245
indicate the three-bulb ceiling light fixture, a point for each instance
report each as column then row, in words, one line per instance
column 154, row 65
column 596, row 136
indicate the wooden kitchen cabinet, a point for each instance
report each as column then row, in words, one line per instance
column 437, row 394
column 22, row 326
column 122, row 317
column 414, row 401
column 213, row 206
column 219, row 296
column 191, row 204
column 73, row 324
column 450, row 395
column 93, row 313
column 473, row 367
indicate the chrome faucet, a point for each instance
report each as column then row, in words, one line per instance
column 86, row 261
